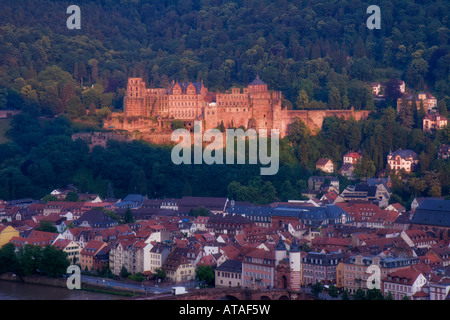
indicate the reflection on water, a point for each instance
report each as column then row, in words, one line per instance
column 25, row 291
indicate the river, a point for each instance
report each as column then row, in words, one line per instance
column 10, row 290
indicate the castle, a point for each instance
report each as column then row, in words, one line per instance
column 254, row 107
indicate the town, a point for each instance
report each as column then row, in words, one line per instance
column 317, row 243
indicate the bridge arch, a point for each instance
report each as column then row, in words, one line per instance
column 265, row 298
column 228, row 297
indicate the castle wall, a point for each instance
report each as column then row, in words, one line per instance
column 254, row 106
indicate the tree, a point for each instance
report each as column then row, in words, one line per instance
column 317, row 288
column 334, row 99
column 72, row 197
column 359, row 294
column 297, row 131
column 364, row 168
column 124, row 272
column 302, row 100
column 75, row 108
column 345, row 295
column 30, row 258
column 8, row 259
column 54, row 262
column 374, row 294
column 160, row 274
column 177, row 124
column 205, row 274
column 200, row 211
column 332, row 291
column 47, row 226
column 128, row 216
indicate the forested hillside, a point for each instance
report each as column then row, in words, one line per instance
column 320, row 54
column 321, row 51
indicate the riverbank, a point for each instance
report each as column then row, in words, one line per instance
column 62, row 283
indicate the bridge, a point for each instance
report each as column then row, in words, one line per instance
column 233, row 294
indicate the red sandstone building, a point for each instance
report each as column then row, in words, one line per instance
column 254, row 106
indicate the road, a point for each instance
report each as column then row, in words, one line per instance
column 109, row 283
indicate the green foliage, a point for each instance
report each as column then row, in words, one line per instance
column 46, row 71
column 160, row 273
column 46, row 226
column 206, row 274
column 332, row 291
column 128, row 217
column 48, row 261
column 317, row 288
column 222, row 43
column 139, row 277
column 201, row 211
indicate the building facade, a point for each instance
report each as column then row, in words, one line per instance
column 254, row 106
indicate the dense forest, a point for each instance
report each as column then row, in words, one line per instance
column 320, row 54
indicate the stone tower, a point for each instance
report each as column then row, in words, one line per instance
column 295, row 263
column 280, row 252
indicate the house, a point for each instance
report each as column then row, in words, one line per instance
column 259, row 215
column 320, row 266
column 229, row 274
column 396, row 207
column 406, row 160
column 325, row 164
column 178, row 268
column 88, row 253
column 213, row 204
column 444, row 151
column 433, row 121
column 329, row 197
column 95, row 219
column 7, row 233
column 70, row 247
column 347, row 170
column 354, row 269
column 131, row 201
column 258, row 269
column 382, row 219
column 425, row 99
column 80, row 235
column 438, row 255
column 158, row 255
column 433, row 215
column 377, row 194
column 418, row 238
column 316, row 182
column 405, row 282
column 439, row 287
column 376, row 88
column 331, row 244
column 200, row 223
column 227, row 224
column 360, row 212
column 132, row 254
column 351, row 157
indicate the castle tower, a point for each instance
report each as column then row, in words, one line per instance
column 295, row 263
column 280, row 252
column 134, row 101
